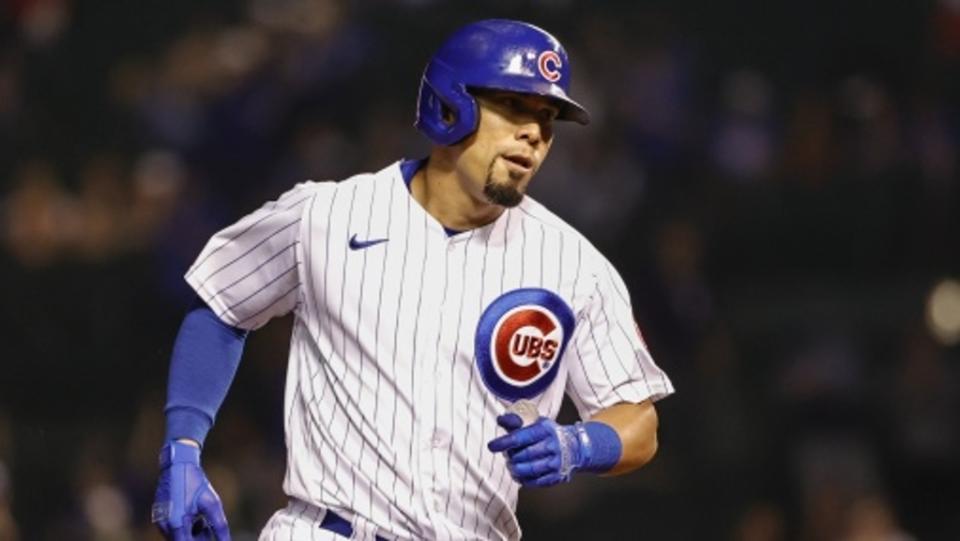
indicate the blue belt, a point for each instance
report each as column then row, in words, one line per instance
column 335, row 523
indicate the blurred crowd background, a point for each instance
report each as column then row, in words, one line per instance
column 777, row 182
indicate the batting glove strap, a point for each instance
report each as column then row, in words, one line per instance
column 571, row 448
column 175, row 452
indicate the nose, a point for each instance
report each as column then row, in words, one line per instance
column 530, row 132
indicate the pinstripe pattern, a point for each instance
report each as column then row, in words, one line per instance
column 386, row 417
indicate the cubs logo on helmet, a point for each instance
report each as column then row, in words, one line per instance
column 549, row 64
column 520, row 340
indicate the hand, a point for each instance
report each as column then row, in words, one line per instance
column 541, row 454
column 186, row 508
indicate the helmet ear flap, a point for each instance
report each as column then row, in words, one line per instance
column 446, row 112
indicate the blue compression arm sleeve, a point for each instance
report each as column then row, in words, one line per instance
column 205, row 358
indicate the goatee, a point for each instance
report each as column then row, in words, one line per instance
column 505, row 195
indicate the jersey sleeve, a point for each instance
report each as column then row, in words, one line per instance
column 248, row 273
column 609, row 362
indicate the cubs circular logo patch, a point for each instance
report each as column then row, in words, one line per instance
column 520, row 339
column 549, row 64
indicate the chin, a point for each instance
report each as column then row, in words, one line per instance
column 504, row 195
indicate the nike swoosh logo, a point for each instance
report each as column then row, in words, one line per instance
column 361, row 244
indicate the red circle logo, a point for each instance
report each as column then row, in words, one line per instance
column 549, row 64
column 526, row 342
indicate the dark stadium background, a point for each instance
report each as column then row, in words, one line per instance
column 777, row 182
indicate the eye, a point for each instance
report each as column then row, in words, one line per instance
column 508, row 101
column 548, row 114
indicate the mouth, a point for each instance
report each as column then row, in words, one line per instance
column 521, row 161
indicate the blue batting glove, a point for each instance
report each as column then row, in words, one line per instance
column 546, row 453
column 186, row 508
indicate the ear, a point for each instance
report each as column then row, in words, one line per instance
column 448, row 116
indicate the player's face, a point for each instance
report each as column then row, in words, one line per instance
column 513, row 138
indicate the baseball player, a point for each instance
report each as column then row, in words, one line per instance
column 440, row 317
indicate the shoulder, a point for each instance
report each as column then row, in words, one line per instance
column 596, row 267
column 368, row 180
column 330, row 189
column 534, row 212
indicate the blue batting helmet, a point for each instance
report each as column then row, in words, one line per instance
column 496, row 54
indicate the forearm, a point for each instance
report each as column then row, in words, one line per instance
column 636, row 425
column 205, row 358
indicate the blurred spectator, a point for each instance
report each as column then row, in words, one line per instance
column 871, row 142
column 10, row 91
column 42, row 22
column 871, row 519
column 8, row 526
column 101, row 206
column 40, row 218
column 158, row 186
column 831, row 471
column 828, row 367
column 946, row 28
column 110, row 215
column 925, row 400
column 935, row 145
column 107, row 513
column 744, row 144
column 656, row 104
column 762, row 521
column 809, row 143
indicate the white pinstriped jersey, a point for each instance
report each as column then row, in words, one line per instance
column 387, row 413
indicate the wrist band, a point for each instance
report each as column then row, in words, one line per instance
column 603, row 447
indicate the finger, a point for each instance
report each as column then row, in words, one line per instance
column 514, row 440
column 164, row 529
column 523, row 437
column 185, row 531
column 202, row 532
column 160, row 515
column 541, row 449
column 510, row 421
column 502, row 443
column 528, row 471
column 222, row 531
column 211, row 508
column 182, row 534
column 162, row 506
